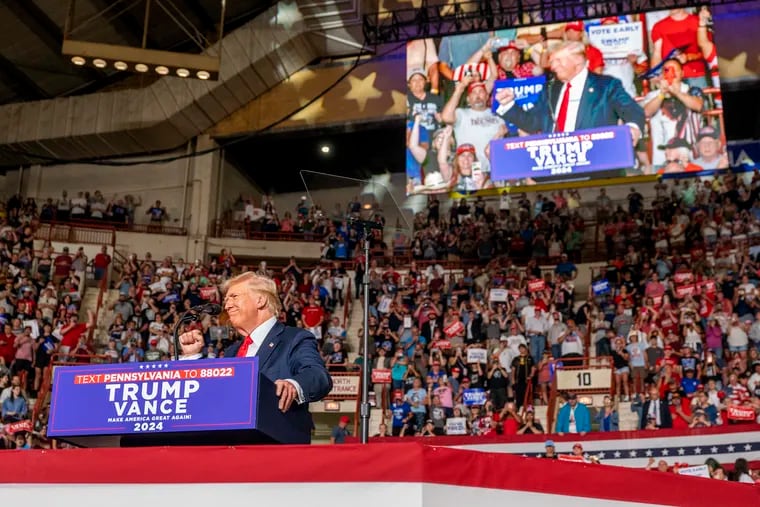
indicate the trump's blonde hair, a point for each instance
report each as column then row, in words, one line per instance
column 257, row 284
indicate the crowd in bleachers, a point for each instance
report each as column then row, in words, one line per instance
column 677, row 316
column 675, row 310
column 479, row 230
column 85, row 206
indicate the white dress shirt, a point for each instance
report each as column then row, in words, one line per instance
column 258, row 336
column 576, row 92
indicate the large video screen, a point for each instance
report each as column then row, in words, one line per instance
column 614, row 96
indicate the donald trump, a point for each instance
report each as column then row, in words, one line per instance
column 288, row 356
column 576, row 99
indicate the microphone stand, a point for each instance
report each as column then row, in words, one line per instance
column 189, row 316
column 365, row 408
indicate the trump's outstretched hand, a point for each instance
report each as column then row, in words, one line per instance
column 191, row 342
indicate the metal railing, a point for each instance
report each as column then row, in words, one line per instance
column 104, row 225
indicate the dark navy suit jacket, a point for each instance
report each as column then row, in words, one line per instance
column 292, row 353
column 603, row 103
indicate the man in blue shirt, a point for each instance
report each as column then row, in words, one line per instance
column 402, row 415
column 565, row 268
column 417, row 397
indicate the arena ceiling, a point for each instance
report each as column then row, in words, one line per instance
column 33, row 68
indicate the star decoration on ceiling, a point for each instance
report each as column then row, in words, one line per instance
column 363, row 90
column 399, row 103
column 287, row 15
column 736, row 67
column 312, row 112
column 300, row 78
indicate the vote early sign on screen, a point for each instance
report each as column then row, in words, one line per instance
column 154, row 397
column 562, row 154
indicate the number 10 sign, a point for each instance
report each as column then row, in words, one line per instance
column 597, row 378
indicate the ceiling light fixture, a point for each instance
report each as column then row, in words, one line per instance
column 141, row 60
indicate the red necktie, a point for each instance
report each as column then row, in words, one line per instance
column 562, row 115
column 243, row 350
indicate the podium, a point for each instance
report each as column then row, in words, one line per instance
column 204, row 402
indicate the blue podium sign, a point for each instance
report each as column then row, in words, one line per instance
column 155, row 397
column 562, row 154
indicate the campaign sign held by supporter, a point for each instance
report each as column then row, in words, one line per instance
column 601, row 287
column 562, row 154
column 154, row 397
column 475, row 396
column 617, row 40
column 527, row 90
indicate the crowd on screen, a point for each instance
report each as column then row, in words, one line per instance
column 667, row 91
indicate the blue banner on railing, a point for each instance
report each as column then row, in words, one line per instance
column 474, row 396
column 154, row 397
column 562, row 154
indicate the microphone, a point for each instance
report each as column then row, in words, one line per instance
column 209, row 308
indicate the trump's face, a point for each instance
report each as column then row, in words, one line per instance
column 243, row 307
column 566, row 64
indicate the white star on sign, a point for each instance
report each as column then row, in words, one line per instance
column 601, row 455
column 698, row 450
column 539, row 455
column 617, row 454
column 141, row 367
column 747, row 447
column 649, row 453
column 632, row 454
column 713, row 449
column 665, row 452
column 731, row 448
column 681, row 451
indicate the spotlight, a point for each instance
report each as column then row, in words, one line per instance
column 120, row 65
column 78, row 60
column 141, row 67
column 183, row 72
column 99, row 63
column 162, row 70
column 324, row 149
column 202, row 74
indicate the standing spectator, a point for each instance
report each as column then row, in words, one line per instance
column 523, row 370
column 15, row 407
column 655, row 412
column 157, row 215
column 62, row 266
column 402, row 415
column 573, row 417
column 341, row 431
column 100, row 263
column 24, row 344
column 608, row 417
